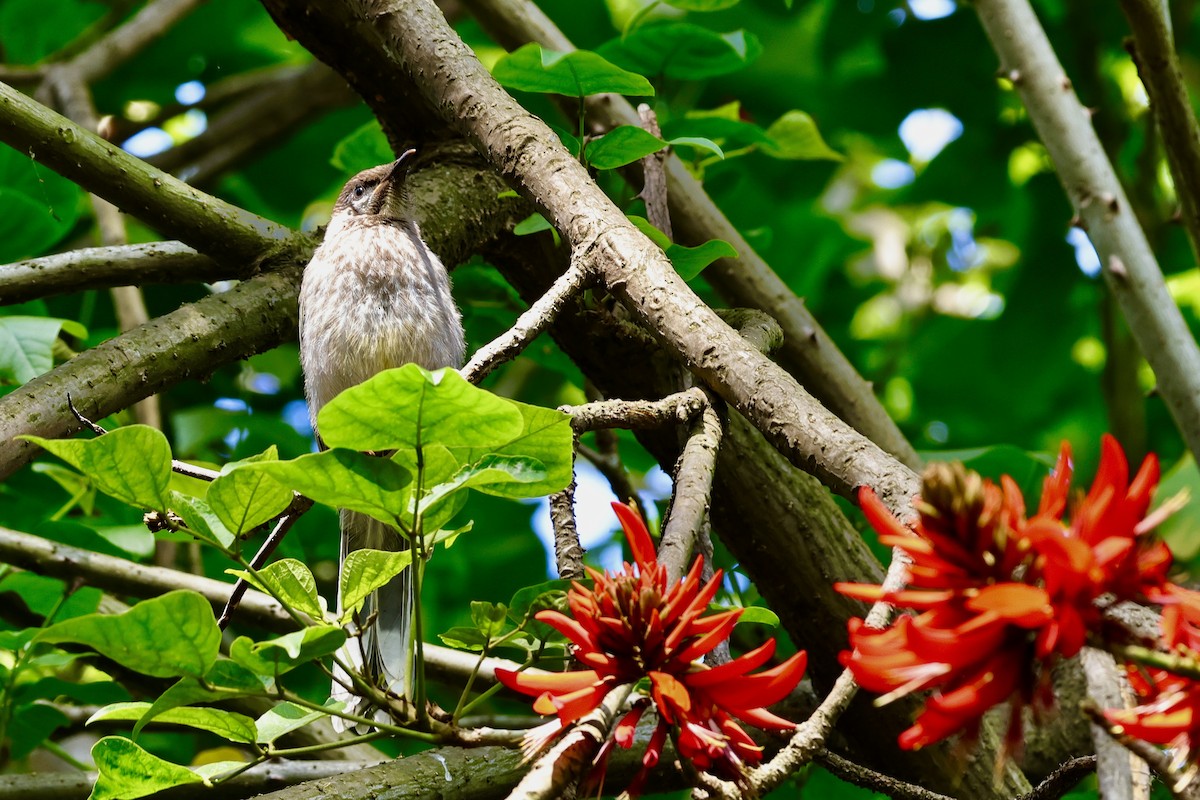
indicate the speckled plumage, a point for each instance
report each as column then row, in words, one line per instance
column 374, row 297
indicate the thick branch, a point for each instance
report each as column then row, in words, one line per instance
column 1158, row 66
column 212, row 226
column 524, row 150
column 807, row 352
column 1091, row 184
column 103, row 267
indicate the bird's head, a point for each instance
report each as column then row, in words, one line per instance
column 377, row 192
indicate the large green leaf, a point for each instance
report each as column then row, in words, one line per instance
column 127, row 771
column 227, row 724
column 224, row 681
column 132, row 464
column 291, row 581
column 201, row 520
column 492, row 471
column 39, row 206
column 410, row 407
column 343, row 479
column 575, row 74
column 175, row 634
column 682, row 50
column 364, row 148
column 622, row 145
column 245, row 500
column 702, row 5
column 283, row 718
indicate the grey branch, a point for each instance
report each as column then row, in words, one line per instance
column 1087, row 176
column 568, row 552
column 807, row 351
column 693, row 489
column 654, row 186
column 533, row 321
column 634, row 414
column 1153, row 51
column 1120, row 776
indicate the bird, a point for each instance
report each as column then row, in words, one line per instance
column 374, row 297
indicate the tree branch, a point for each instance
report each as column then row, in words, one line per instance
column 807, row 351
column 103, row 267
column 693, row 488
column 155, row 19
column 1093, row 188
column 212, row 226
column 1153, row 52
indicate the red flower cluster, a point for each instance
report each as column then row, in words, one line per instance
column 1170, row 709
column 631, row 629
column 1001, row 595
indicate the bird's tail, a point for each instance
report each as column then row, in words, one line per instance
column 383, row 650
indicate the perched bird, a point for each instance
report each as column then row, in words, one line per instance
column 374, row 297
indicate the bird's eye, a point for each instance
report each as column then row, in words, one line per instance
column 359, row 190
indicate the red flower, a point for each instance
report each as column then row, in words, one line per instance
column 1002, row 596
column 1170, row 711
column 631, row 629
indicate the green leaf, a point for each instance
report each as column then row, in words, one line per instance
column 622, row 145
column 40, row 207
column 26, row 347
column 794, row 136
column 165, row 637
column 440, row 466
column 365, row 571
column 283, row 718
column 532, row 599
column 283, row 654
column 31, row 725
column 225, row 681
column 700, row 143
column 132, row 464
column 201, row 520
column 1181, row 530
column 534, row 223
column 702, row 5
column 464, row 638
column 244, row 500
column 759, row 615
column 491, row 471
column 488, row 617
column 226, row 724
column 365, row 148
column 410, row 407
column 691, row 261
column 545, row 435
column 688, row 261
column 127, row 771
column 575, row 74
column 682, row 50
column 343, row 479
column 291, row 581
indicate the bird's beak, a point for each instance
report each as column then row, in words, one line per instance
column 379, row 199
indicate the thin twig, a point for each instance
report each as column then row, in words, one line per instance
column 568, row 552
column 680, row 408
column 532, row 322
column 299, row 505
column 859, row 775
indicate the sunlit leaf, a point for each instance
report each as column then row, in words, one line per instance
column 127, row 771
column 367, row 570
column 682, row 50
column 227, row 724
column 795, row 136
column 622, row 145
column 175, row 634
column 290, row 580
column 575, row 74
column 132, row 464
